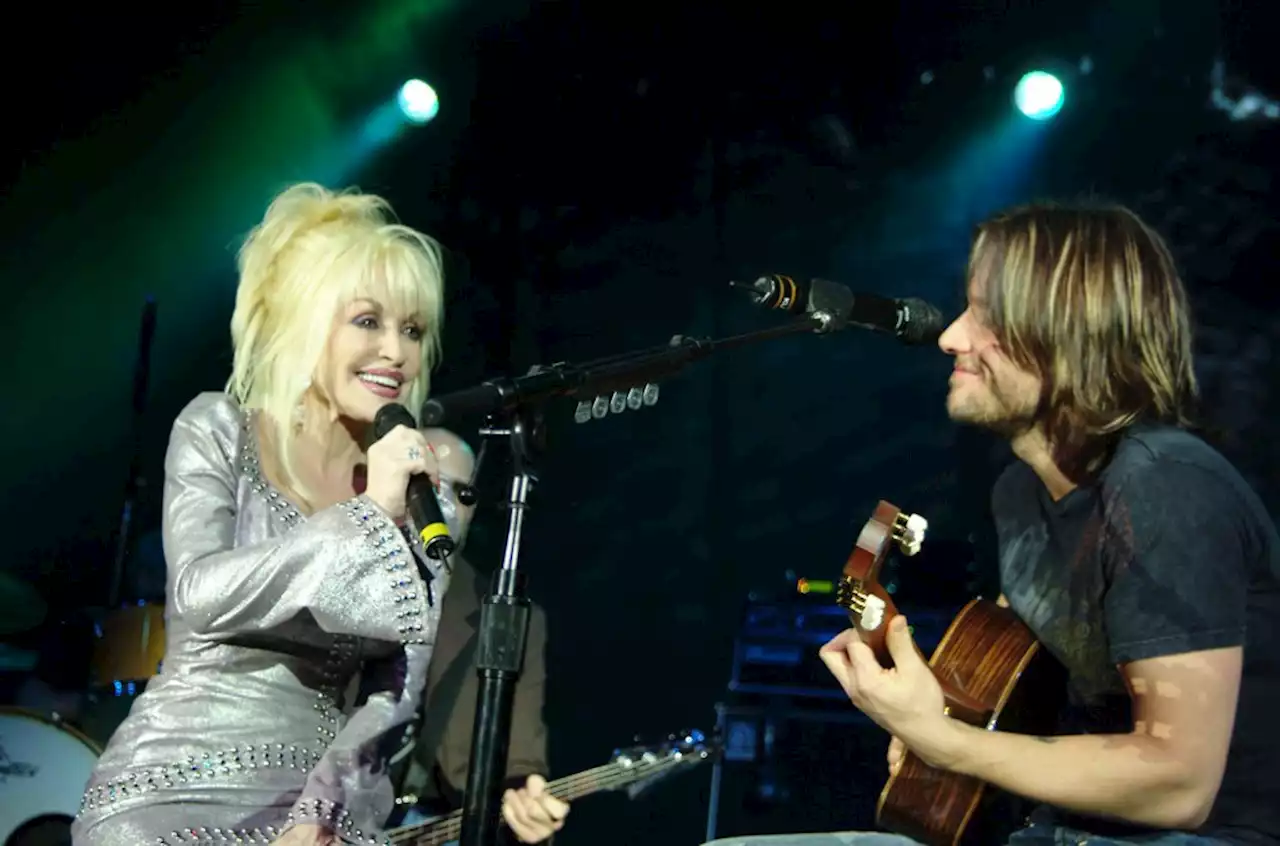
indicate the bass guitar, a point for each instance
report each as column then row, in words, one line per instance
column 993, row 672
column 635, row 769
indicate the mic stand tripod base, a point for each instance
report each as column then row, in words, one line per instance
column 501, row 641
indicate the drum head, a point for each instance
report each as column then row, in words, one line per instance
column 47, row 765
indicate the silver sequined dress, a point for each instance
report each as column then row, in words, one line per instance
column 251, row 724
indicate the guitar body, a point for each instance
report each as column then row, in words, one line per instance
column 988, row 657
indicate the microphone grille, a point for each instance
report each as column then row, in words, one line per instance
column 391, row 416
column 924, row 323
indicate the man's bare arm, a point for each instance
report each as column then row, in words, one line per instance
column 1165, row 774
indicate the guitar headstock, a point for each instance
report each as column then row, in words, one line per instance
column 640, row 767
column 860, row 592
column 889, row 526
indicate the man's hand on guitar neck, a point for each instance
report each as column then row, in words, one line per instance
column 533, row 813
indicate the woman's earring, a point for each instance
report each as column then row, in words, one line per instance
column 300, row 410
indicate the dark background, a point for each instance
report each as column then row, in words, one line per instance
column 599, row 172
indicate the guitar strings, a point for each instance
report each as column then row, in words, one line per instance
column 447, row 828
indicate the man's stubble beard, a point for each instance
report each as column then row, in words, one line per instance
column 996, row 417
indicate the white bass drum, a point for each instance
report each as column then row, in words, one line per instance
column 44, row 766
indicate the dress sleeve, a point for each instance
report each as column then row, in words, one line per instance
column 348, row 565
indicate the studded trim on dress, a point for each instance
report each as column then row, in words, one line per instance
column 250, row 467
column 208, row 766
column 203, row 836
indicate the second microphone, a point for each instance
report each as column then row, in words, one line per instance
column 910, row 319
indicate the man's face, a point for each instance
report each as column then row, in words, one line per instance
column 987, row 388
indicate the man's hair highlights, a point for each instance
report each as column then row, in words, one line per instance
column 1088, row 298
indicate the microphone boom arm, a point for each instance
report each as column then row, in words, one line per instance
column 601, row 376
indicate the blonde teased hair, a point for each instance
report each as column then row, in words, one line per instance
column 1089, row 299
column 314, row 252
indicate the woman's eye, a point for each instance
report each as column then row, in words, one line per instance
column 366, row 321
column 413, row 332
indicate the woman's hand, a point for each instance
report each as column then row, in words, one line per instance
column 395, row 457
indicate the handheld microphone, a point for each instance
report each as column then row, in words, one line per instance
column 420, row 498
column 910, row 319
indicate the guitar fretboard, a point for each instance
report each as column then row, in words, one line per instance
column 596, row 780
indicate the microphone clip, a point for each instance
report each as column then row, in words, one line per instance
column 829, row 305
column 826, row 304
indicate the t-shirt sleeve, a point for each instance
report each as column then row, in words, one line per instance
column 1176, row 563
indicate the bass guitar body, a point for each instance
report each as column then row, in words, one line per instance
column 993, row 658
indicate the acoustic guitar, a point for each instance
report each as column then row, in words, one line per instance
column 635, row 769
column 993, row 673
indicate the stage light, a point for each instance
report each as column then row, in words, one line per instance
column 418, row 101
column 1039, row 95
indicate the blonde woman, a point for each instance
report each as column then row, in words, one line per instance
column 300, row 620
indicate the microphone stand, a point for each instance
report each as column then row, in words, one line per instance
column 513, row 410
column 502, row 638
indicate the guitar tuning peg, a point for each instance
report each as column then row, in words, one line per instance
column 910, row 533
column 618, row 402
column 600, row 408
column 582, row 413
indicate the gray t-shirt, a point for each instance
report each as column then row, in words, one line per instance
column 1169, row 551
